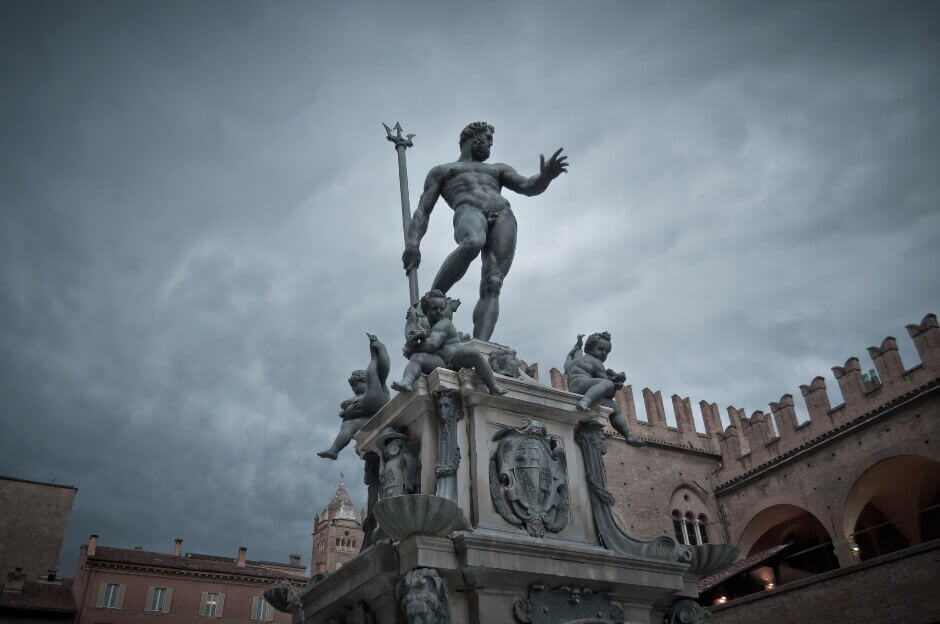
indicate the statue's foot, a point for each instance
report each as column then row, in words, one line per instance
column 328, row 454
column 632, row 440
column 584, row 404
column 401, row 386
column 498, row 390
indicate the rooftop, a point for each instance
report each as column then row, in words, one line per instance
column 40, row 596
column 200, row 563
column 341, row 504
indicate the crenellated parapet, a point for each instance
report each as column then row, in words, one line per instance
column 750, row 442
column 655, row 429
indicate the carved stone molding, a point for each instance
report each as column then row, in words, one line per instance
column 449, row 411
column 371, row 478
column 529, row 480
column 422, row 595
column 401, row 471
column 687, row 611
column 543, row 605
column 357, row 613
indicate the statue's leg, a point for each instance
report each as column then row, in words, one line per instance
column 600, row 389
column 412, row 370
column 620, row 423
column 497, row 258
column 377, row 370
column 470, row 234
column 468, row 357
column 346, row 432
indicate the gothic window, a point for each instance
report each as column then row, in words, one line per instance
column 703, row 533
column 677, row 526
column 691, row 529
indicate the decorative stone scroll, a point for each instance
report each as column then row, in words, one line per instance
column 687, row 611
column 449, row 411
column 528, row 479
column 703, row 559
column 543, row 605
column 422, row 594
column 401, row 471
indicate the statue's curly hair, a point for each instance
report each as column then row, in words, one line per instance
column 474, row 128
column 357, row 376
column 593, row 338
column 431, row 294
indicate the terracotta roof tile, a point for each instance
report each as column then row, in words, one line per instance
column 38, row 596
column 197, row 564
column 741, row 565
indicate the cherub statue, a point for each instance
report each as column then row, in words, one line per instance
column 371, row 395
column 440, row 346
column 587, row 376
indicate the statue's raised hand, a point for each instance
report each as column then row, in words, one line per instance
column 411, row 258
column 554, row 166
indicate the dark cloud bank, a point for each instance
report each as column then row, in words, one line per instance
column 200, row 221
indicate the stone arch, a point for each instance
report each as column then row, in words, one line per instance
column 879, row 517
column 811, row 549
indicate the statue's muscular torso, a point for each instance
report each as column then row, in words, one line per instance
column 471, row 184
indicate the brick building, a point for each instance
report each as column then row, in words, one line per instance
column 837, row 518
column 33, row 519
column 128, row 586
column 337, row 533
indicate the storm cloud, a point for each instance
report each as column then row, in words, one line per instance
column 199, row 221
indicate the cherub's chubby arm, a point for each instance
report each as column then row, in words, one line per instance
column 574, row 353
column 411, row 258
column 436, row 338
column 548, row 171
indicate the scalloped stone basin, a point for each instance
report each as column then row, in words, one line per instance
column 418, row 514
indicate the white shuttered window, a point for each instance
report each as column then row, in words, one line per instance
column 211, row 604
column 111, row 595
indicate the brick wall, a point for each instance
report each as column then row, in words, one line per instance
column 33, row 518
column 899, row 588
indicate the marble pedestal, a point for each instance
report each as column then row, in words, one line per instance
column 497, row 571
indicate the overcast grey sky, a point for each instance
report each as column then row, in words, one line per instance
column 200, row 220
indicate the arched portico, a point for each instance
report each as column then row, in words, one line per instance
column 894, row 504
column 811, row 550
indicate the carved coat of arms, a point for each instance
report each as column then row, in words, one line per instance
column 528, row 479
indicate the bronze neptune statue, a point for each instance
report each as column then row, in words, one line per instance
column 483, row 221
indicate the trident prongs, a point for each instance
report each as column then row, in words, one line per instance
column 397, row 138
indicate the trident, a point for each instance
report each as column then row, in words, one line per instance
column 401, row 144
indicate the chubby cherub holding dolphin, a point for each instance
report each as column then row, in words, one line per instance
column 588, row 376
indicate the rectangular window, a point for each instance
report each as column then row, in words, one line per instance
column 111, row 592
column 261, row 610
column 157, row 599
column 212, row 604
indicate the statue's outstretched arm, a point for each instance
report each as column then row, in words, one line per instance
column 574, row 353
column 419, row 220
column 548, row 171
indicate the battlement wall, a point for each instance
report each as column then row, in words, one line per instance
column 749, row 442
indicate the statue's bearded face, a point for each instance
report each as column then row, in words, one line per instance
column 599, row 349
column 480, row 145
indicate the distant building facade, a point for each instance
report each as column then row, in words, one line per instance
column 131, row 586
column 33, row 519
column 837, row 518
column 337, row 533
